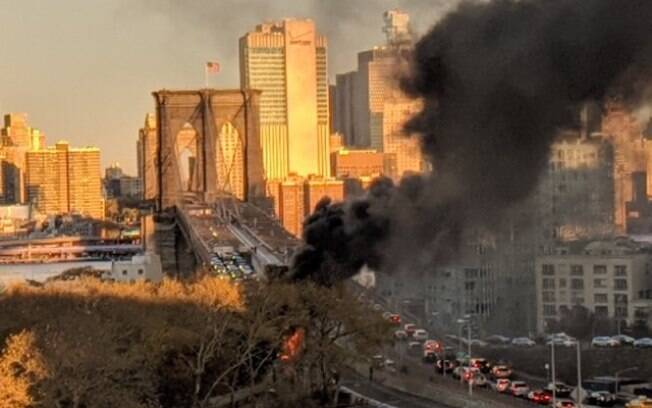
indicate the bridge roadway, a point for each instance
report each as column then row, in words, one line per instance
column 232, row 223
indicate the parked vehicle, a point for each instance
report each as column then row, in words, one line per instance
column 478, row 343
column 519, row 389
column 420, row 335
column 604, row 341
column 645, row 342
column 523, row 342
column 542, row 397
column 565, row 404
column 562, row 342
column 624, row 340
column 601, row 398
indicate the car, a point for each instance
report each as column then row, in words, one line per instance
column 604, row 341
column 400, row 335
column 378, row 307
column 410, row 328
column 641, row 402
column 498, row 340
column 644, row 342
column 459, row 371
column 563, row 342
column 624, row 339
column 420, row 335
column 386, row 315
column 561, row 390
column 475, row 377
column 501, row 385
column 478, row 343
column 523, row 342
column 601, row 398
column 445, row 365
column 481, row 364
column 565, row 403
column 519, row 389
column 414, row 348
column 429, row 357
column 432, row 345
column 501, row 371
column 541, row 397
column 395, row 318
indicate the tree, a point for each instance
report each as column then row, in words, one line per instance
column 22, row 368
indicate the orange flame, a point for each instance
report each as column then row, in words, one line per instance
column 292, row 345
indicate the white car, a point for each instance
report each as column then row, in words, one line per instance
column 561, row 341
column 519, row 389
column 604, row 341
column 420, row 335
column 523, row 342
column 645, row 342
column 400, row 335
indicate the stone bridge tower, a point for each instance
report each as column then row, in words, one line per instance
column 207, row 144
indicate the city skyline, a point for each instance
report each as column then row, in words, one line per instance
column 109, row 55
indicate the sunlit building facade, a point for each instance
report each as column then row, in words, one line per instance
column 286, row 60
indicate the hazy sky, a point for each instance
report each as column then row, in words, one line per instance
column 84, row 70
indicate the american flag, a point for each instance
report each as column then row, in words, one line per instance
column 212, row 67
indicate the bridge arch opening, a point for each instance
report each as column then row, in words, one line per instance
column 186, row 147
column 229, row 161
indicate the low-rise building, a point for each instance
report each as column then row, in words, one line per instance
column 145, row 267
column 606, row 277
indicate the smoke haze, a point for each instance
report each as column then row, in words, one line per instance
column 498, row 80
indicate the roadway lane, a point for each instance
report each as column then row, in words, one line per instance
column 388, row 396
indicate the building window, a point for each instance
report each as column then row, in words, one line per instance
column 577, row 270
column 469, row 285
column 620, row 284
column 140, row 271
column 620, row 298
column 548, row 269
column 124, row 272
column 600, row 283
column 600, row 269
column 548, row 296
column 577, row 300
column 471, row 273
column 577, row 284
column 600, row 298
column 562, row 283
column 602, row 311
column 620, row 311
column 549, row 310
column 620, row 270
column 548, row 283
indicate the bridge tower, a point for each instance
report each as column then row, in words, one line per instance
column 207, row 144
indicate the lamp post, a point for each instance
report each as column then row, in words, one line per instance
column 579, row 374
column 624, row 370
column 470, row 371
column 552, row 372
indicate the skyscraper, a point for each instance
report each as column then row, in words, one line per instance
column 62, row 180
column 286, row 60
column 17, row 137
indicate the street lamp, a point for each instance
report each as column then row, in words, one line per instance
column 552, row 372
column 624, row 370
column 462, row 322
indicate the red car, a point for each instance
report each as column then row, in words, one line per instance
column 395, row 319
column 541, row 397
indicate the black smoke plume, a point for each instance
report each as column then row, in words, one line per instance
column 497, row 80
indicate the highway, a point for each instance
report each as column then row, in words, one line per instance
column 384, row 396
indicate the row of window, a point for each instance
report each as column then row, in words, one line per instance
column 619, row 311
column 619, row 298
column 578, row 270
column 578, row 284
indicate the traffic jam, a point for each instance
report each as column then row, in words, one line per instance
column 448, row 359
